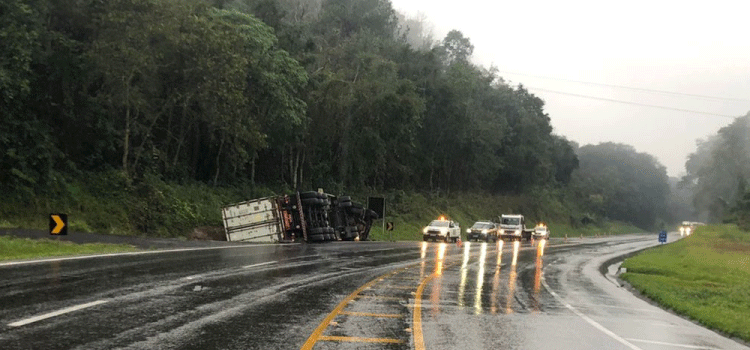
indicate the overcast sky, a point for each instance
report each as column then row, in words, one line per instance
column 680, row 46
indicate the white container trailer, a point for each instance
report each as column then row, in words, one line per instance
column 257, row 220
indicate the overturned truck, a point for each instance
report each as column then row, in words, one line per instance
column 306, row 216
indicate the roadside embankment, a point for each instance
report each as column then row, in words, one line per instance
column 705, row 277
column 15, row 248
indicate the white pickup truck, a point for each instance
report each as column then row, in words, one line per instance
column 442, row 229
column 513, row 227
column 541, row 231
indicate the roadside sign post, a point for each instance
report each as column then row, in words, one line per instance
column 663, row 237
column 58, row 224
column 377, row 204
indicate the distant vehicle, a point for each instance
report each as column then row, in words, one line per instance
column 442, row 229
column 688, row 227
column 484, row 230
column 513, row 227
column 541, row 231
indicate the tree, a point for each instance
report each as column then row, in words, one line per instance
column 718, row 168
column 456, row 47
column 622, row 184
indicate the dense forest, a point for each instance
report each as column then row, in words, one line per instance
column 718, row 175
column 332, row 95
column 284, row 94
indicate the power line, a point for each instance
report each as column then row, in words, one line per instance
column 628, row 102
column 630, row 87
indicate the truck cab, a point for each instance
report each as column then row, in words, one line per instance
column 442, row 229
column 513, row 228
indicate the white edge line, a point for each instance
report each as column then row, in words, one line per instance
column 260, row 264
column 27, row 262
column 56, row 313
column 588, row 319
column 673, row 344
column 201, row 275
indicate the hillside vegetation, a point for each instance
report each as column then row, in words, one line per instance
column 146, row 116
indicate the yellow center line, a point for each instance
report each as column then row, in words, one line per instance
column 418, row 337
column 367, row 314
column 417, row 320
column 362, row 340
column 318, row 333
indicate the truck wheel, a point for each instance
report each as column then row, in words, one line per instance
column 317, row 238
column 344, row 204
column 309, row 194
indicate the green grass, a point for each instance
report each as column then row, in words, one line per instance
column 13, row 248
column 705, row 276
column 106, row 202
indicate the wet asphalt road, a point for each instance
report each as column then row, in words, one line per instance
column 343, row 295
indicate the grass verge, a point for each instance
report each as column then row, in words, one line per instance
column 705, row 276
column 13, row 248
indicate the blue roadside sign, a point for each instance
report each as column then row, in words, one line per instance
column 663, row 237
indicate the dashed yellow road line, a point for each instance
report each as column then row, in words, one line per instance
column 318, row 333
column 368, row 314
column 399, row 287
column 384, row 297
column 362, row 340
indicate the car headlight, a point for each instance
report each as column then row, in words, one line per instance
column 484, row 232
column 518, row 232
column 424, row 230
column 443, row 230
column 468, row 230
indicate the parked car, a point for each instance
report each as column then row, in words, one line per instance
column 482, row 230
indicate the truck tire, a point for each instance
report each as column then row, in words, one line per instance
column 345, row 199
column 355, row 210
column 345, row 204
column 309, row 194
column 317, row 238
column 310, row 201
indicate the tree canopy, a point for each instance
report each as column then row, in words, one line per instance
column 285, row 93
